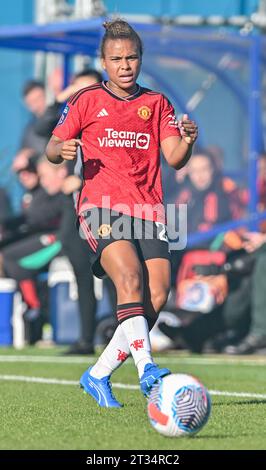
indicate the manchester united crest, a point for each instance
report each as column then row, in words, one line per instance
column 144, row 112
column 104, row 230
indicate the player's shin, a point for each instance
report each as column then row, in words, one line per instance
column 115, row 353
column 136, row 331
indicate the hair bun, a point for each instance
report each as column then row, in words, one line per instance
column 106, row 24
column 119, row 29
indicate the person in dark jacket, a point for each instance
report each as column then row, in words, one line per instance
column 24, row 259
column 207, row 202
column 38, row 213
column 5, row 211
column 32, row 144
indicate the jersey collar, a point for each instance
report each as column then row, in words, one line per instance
column 120, row 98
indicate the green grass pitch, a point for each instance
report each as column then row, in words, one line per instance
column 60, row 416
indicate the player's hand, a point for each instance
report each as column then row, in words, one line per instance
column 22, row 158
column 188, row 130
column 69, row 149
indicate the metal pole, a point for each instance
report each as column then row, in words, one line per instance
column 66, row 68
column 254, row 127
column 89, row 8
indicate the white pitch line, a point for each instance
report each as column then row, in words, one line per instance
column 48, row 359
column 238, row 394
column 43, row 380
column 40, row 380
column 211, row 361
column 259, row 361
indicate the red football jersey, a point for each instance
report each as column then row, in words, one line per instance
column 121, row 156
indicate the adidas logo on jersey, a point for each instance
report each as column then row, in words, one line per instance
column 102, row 113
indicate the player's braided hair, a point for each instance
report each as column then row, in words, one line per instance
column 120, row 29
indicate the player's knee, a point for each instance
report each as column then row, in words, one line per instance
column 159, row 298
column 130, row 283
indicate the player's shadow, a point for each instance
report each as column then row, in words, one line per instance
column 91, row 168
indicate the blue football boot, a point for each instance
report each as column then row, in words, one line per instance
column 99, row 389
column 152, row 374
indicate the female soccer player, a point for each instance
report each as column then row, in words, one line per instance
column 121, row 127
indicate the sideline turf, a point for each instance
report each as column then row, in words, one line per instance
column 45, row 416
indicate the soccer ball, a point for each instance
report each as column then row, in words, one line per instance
column 179, row 405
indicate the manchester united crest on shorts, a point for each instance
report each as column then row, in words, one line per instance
column 104, row 230
column 144, row 112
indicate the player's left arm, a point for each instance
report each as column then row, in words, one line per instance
column 177, row 150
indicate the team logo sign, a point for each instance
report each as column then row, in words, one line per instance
column 142, row 141
column 63, row 115
column 104, row 230
column 144, row 112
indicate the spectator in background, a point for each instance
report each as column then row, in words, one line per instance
column 5, row 212
column 246, row 288
column 261, row 182
column 32, row 143
column 5, row 208
column 24, row 259
column 238, row 197
column 82, row 79
column 261, row 188
column 37, row 132
column 39, row 215
column 46, row 123
column 246, row 300
column 207, row 205
column 207, row 202
column 255, row 295
column 29, row 220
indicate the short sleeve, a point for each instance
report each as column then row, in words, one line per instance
column 168, row 121
column 69, row 124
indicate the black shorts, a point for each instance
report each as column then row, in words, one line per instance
column 101, row 227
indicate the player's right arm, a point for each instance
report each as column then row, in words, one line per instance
column 63, row 144
column 58, row 150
